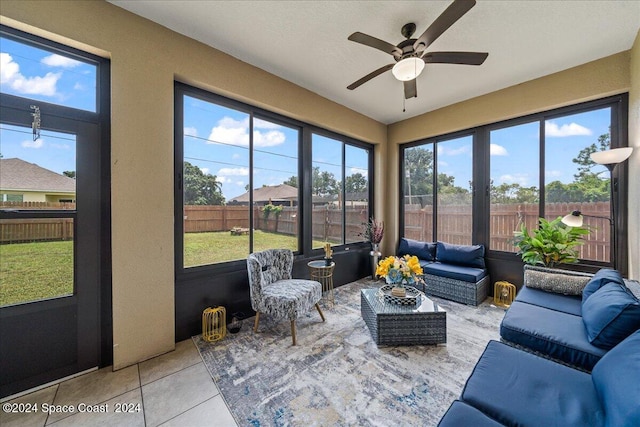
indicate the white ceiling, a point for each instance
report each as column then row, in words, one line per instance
column 306, row 43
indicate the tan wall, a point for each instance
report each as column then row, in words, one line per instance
column 634, row 162
column 603, row 77
column 145, row 60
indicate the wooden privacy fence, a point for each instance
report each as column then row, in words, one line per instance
column 455, row 222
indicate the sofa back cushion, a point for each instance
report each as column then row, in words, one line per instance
column 602, row 277
column 465, row 255
column 555, row 280
column 610, row 315
column 423, row 250
column 616, row 380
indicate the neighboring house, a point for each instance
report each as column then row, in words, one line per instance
column 22, row 181
column 281, row 194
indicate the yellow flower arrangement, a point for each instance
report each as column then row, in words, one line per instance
column 400, row 270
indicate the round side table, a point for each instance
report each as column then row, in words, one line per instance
column 323, row 274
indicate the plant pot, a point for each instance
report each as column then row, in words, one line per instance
column 375, row 257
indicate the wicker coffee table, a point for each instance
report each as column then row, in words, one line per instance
column 394, row 324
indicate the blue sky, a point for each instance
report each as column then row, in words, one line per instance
column 216, row 138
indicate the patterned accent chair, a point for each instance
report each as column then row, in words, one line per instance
column 274, row 292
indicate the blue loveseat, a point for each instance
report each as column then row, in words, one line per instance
column 455, row 272
column 576, row 361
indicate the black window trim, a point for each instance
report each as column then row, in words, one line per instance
column 304, row 177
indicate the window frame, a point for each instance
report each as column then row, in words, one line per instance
column 304, row 178
column 619, row 105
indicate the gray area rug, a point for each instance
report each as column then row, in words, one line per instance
column 337, row 375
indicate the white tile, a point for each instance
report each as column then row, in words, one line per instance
column 174, row 394
column 123, row 410
column 213, row 412
column 185, row 355
column 34, row 402
column 95, row 387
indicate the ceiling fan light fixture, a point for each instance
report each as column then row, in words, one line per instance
column 408, row 69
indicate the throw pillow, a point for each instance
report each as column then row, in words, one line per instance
column 610, row 315
column 465, row 255
column 633, row 286
column 615, row 378
column 555, row 280
column 601, row 278
column 423, row 250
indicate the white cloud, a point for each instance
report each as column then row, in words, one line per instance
column 236, row 156
column 10, row 75
column 572, row 129
column 233, row 172
column 236, row 132
column 261, row 124
column 361, row 171
column 205, row 170
column 518, row 178
column 190, row 131
column 60, row 61
column 552, row 173
column 240, row 183
column 222, row 179
column 498, row 150
column 38, row 143
column 446, row 151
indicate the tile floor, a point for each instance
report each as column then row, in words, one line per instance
column 174, row 389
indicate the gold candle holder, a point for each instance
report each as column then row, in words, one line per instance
column 214, row 324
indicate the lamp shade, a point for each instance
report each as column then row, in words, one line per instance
column 574, row 219
column 408, row 69
column 611, row 157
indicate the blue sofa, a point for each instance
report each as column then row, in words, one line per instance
column 574, row 329
column 512, row 387
column 576, row 361
column 455, row 272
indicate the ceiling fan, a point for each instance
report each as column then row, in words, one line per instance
column 411, row 54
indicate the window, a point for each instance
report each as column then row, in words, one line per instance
column 240, row 188
column 521, row 169
column 48, row 75
column 340, row 191
column 451, row 160
column 218, row 198
column 514, row 182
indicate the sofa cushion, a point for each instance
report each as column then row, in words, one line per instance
column 423, row 250
column 560, row 335
column 461, row 414
column 602, row 277
column 515, row 387
column 555, row 280
column 616, row 380
column 564, row 303
column 466, row 255
column 457, row 272
column 610, row 315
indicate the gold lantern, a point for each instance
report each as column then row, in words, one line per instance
column 504, row 293
column 214, row 324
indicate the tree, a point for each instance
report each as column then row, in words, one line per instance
column 70, row 174
column 200, row 188
column 583, row 160
column 324, row 183
column 356, row 183
column 292, row 181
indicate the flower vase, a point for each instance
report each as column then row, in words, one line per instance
column 375, row 256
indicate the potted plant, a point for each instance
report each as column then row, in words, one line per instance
column 551, row 244
column 542, row 249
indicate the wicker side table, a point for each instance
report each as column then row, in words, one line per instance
column 323, row 274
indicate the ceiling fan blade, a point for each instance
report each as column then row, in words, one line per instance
column 467, row 58
column 451, row 14
column 410, row 89
column 369, row 76
column 375, row 43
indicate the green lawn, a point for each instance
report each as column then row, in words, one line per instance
column 34, row 271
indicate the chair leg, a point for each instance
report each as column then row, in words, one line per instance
column 255, row 325
column 293, row 331
column 320, row 312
